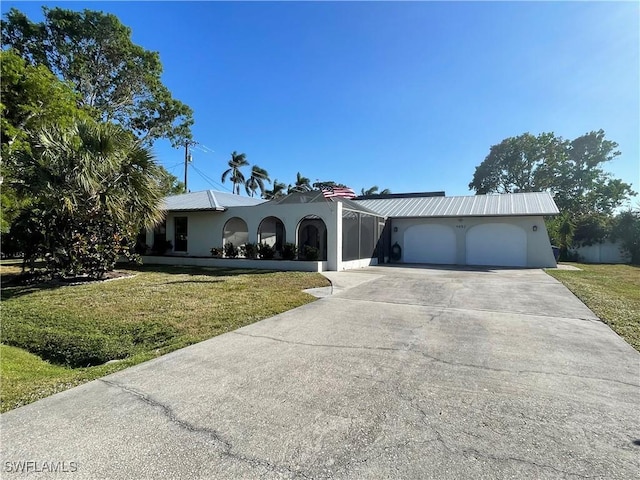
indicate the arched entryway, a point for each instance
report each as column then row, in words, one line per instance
column 271, row 232
column 235, row 231
column 312, row 232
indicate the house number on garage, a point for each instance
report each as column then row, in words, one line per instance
column 460, row 226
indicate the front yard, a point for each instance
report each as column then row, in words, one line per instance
column 55, row 337
column 612, row 292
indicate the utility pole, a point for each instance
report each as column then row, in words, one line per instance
column 187, row 159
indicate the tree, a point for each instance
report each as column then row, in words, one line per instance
column 626, row 229
column 32, row 97
column 303, row 184
column 93, row 187
column 572, row 170
column 374, row 191
column 277, row 191
column 116, row 80
column 237, row 161
column 256, row 181
column 169, row 183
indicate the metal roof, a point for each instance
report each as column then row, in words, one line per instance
column 207, row 200
column 508, row 204
column 316, row 196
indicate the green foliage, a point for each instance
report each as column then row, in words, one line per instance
column 591, row 228
column 32, row 98
column 237, row 161
column 217, row 252
column 92, row 188
column 626, row 229
column 230, row 250
column 303, row 184
column 256, row 181
column 374, row 191
column 277, row 191
column 311, row 253
column 289, row 251
column 116, row 80
column 266, row 251
column 572, row 170
column 249, row 250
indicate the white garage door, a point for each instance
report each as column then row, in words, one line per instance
column 499, row 244
column 429, row 244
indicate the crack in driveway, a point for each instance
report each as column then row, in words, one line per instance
column 433, row 358
column 225, row 445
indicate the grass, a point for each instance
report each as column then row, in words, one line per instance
column 54, row 336
column 612, row 292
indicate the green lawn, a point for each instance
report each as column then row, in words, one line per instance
column 612, row 292
column 55, row 337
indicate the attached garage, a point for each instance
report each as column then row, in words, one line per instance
column 500, row 244
column 495, row 230
column 430, row 243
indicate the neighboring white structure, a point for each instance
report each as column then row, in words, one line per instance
column 498, row 230
column 605, row 252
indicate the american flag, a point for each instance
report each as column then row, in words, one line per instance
column 330, row 191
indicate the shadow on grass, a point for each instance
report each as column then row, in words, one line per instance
column 12, row 288
column 191, row 270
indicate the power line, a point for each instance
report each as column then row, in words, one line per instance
column 208, row 179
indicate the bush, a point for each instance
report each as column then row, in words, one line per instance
column 311, row 253
column 230, row 251
column 216, row 252
column 267, row 252
column 289, row 251
column 249, row 250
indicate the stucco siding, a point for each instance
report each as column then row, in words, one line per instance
column 538, row 247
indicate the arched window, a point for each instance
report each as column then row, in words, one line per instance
column 236, row 232
column 271, row 231
column 312, row 232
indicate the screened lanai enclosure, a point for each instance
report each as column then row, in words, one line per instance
column 362, row 234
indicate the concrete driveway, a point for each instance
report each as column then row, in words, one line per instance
column 402, row 373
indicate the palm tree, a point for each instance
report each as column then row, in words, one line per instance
column 374, row 191
column 256, row 180
column 238, row 160
column 276, row 192
column 98, row 185
column 303, row 184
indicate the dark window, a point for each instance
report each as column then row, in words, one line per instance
column 180, row 244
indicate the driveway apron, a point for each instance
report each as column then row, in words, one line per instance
column 401, row 373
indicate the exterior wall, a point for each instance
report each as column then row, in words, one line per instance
column 205, row 228
column 289, row 265
column 539, row 253
column 607, row 252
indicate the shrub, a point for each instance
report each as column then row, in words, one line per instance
column 267, row 252
column 311, row 253
column 216, row 252
column 230, row 251
column 249, row 250
column 289, row 251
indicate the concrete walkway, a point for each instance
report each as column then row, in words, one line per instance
column 401, row 373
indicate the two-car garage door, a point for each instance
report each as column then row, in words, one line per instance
column 498, row 244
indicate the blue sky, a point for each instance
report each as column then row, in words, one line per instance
column 404, row 95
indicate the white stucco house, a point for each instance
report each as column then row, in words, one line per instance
column 429, row 228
